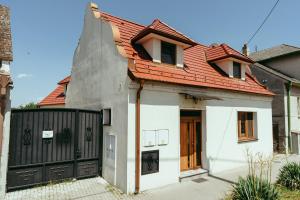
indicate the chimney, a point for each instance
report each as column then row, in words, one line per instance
column 245, row 50
column 5, row 35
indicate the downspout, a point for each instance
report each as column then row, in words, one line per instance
column 137, row 138
column 288, row 88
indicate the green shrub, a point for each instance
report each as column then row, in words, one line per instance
column 254, row 188
column 289, row 176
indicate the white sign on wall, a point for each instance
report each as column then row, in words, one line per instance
column 149, row 138
column 47, row 134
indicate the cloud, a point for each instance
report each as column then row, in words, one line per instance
column 24, row 75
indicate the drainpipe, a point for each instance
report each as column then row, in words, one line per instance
column 137, row 138
column 288, row 88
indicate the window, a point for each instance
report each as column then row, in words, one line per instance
column 246, row 126
column 237, row 70
column 168, row 53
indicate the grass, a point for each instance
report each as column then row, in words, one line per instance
column 286, row 194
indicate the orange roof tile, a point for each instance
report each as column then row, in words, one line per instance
column 162, row 28
column 224, row 51
column 57, row 96
column 197, row 70
column 65, row 80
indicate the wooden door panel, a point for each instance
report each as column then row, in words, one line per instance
column 190, row 149
column 183, row 145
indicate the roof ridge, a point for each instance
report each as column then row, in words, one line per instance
column 291, row 46
column 127, row 20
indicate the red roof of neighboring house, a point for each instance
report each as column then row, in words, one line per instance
column 57, row 96
column 224, row 51
column 65, row 80
column 197, row 70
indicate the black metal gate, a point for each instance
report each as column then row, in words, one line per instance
column 53, row 144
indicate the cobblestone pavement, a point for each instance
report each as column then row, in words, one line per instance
column 97, row 188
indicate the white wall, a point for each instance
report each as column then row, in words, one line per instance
column 223, row 149
column 227, row 66
column 160, row 109
column 5, row 145
column 153, row 47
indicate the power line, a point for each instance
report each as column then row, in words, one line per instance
column 263, row 22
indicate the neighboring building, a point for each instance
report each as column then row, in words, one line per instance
column 172, row 107
column 278, row 69
column 56, row 99
column 6, row 57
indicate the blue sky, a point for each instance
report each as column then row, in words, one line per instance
column 46, row 32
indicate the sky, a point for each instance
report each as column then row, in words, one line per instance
column 46, row 32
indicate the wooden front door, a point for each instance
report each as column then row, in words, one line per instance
column 190, row 143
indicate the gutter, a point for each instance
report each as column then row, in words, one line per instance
column 288, row 88
column 137, row 138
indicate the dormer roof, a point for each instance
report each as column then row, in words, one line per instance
column 160, row 28
column 219, row 52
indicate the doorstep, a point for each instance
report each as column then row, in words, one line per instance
column 192, row 174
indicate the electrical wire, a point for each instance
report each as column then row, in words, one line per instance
column 269, row 14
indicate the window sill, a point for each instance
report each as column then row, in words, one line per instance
column 247, row 140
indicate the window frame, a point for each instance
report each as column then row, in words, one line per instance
column 234, row 64
column 247, row 136
column 175, row 52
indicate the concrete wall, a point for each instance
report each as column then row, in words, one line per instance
column 99, row 80
column 288, row 65
column 160, row 109
column 277, row 86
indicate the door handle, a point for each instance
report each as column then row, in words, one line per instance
column 78, row 153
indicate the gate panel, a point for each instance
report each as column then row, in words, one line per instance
column 74, row 151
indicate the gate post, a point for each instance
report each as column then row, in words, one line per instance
column 5, row 147
column 76, row 143
column 101, row 141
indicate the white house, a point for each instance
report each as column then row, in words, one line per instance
column 171, row 106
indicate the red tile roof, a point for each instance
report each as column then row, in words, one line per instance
column 163, row 29
column 224, row 51
column 57, row 96
column 197, row 70
column 65, row 80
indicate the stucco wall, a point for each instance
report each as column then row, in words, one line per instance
column 277, row 86
column 223, row 149
column 5, row 146
column 160, row 109
column 99, row 80
column 288, row 65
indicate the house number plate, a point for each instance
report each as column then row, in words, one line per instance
column 47, row 134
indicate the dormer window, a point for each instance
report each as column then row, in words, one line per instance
column 237, row 71
column 168, row 53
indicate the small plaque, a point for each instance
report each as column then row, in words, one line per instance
column 47, row 134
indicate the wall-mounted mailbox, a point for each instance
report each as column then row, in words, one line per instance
column 162, row 137
column 150, row 162
column 149, row 138
column 47, row 134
